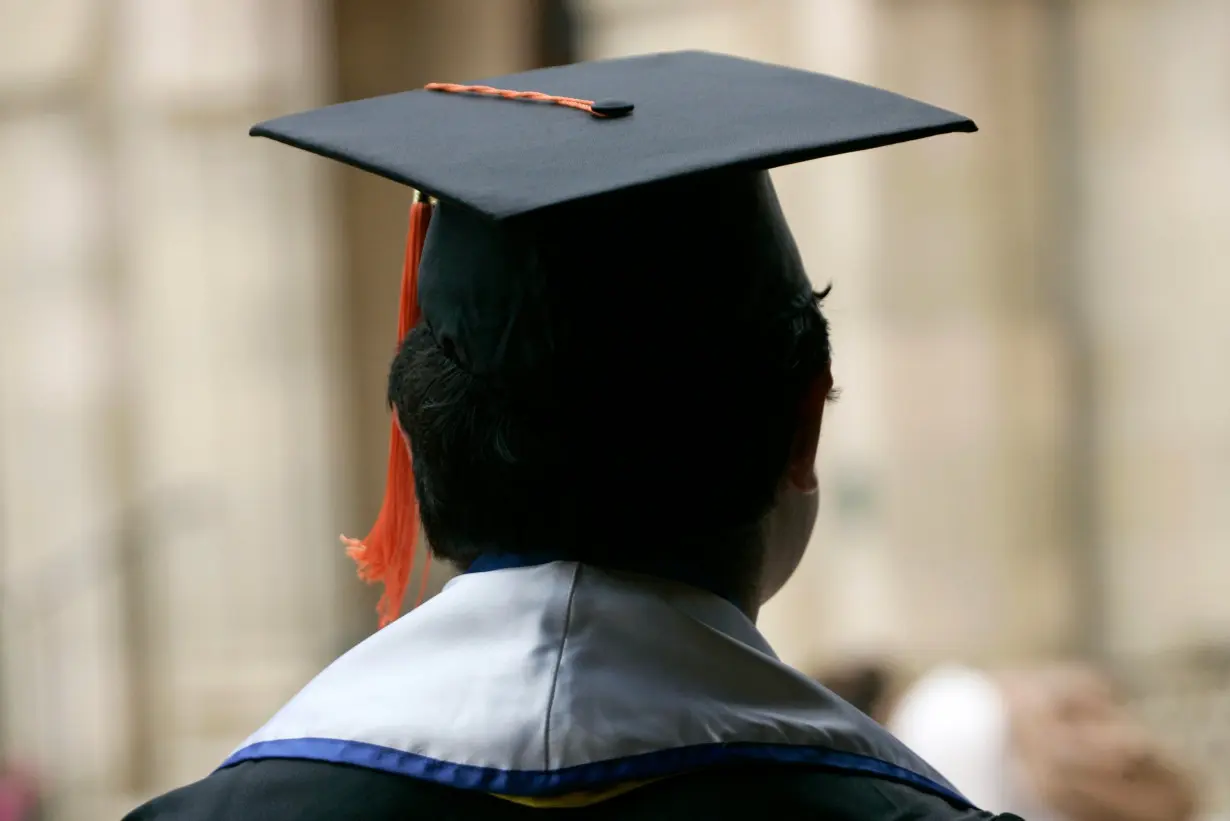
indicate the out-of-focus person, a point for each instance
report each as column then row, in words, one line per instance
column 867, row 685
column 1051, row 743
column 20, row 794
column 1084, row 755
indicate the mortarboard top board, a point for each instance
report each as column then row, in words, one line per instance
column 691, row 112
column 616, row 211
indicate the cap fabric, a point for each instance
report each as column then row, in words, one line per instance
column 692, row 111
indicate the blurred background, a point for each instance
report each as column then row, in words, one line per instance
column 1031, row 458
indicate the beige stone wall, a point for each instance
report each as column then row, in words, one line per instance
column 975, row 381
column 196, row 325
column 1154, row 126
column 167, row 343
column 1155, row 78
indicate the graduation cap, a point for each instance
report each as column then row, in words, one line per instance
column 536, row 191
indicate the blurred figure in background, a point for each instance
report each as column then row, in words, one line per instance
column 1083, row 755
column 866, row 685
column 1052, row 743
column 20, row 794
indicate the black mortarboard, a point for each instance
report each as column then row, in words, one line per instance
column 499, row 159
column 635, row 189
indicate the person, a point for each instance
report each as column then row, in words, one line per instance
column 1085, row 755
column 867, row 684
column 21, row 794
column 606, row 407
column 1053, row 742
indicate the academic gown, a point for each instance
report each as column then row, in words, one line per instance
column 575, row 692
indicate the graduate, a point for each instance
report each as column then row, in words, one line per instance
column 606, row 405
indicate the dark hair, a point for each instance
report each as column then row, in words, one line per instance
column 615, row 455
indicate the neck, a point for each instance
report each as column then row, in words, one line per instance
column 738, row 589
column 750, row 608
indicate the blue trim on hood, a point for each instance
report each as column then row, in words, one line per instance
column 582, row 777
column 487, row 562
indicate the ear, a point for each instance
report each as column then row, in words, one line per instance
column 801, row 469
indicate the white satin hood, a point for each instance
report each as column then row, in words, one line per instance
column 560, row 677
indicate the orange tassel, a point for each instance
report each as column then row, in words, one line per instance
column 387, row 554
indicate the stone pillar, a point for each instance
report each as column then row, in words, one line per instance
column 1155, row 97
column 974, row 387
column 167, row 321
column 230, row 327
column 58, row 369
column 758, row 29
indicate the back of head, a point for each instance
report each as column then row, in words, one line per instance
column 653, row 346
